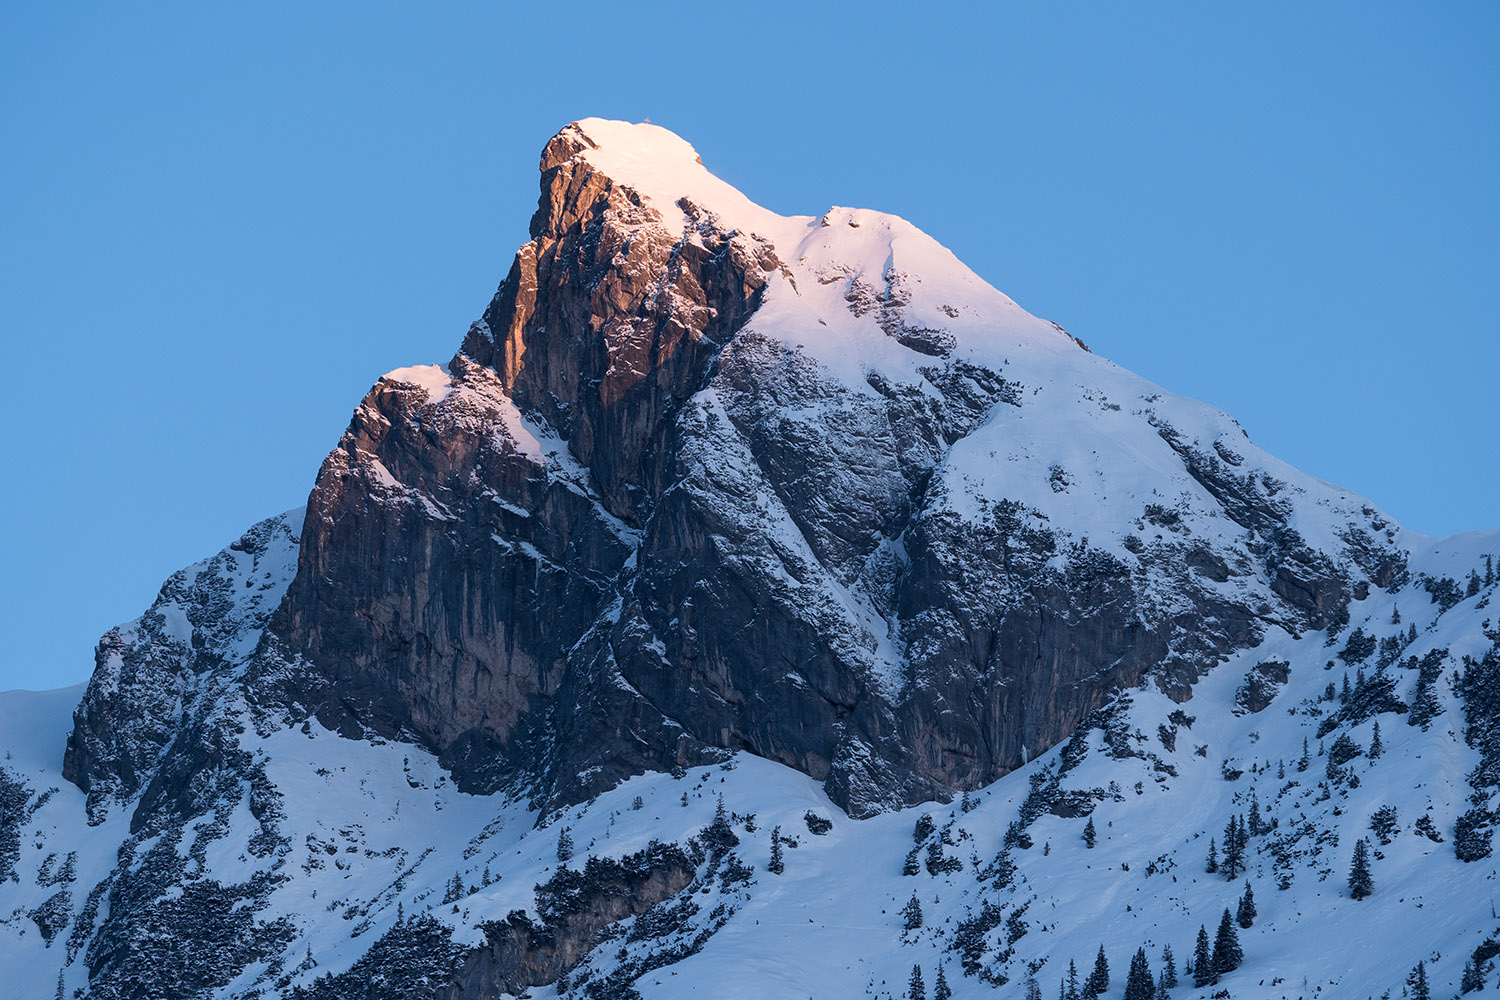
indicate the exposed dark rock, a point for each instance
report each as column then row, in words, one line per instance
column 1262, row 684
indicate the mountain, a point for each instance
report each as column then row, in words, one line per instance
column 742, row 579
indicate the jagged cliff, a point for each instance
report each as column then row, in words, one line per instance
column 705, row 485
column 705, row 479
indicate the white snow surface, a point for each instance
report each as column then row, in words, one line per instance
column 374, row 825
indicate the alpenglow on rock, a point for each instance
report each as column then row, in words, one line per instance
column 705, row 478
column 719, row 522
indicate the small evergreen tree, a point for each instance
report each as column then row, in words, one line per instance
column 1090, row 836
column 1138, row 982
column 1168, row 968
column 777, row 864
column 1073, row 992
column 1227, row 952
column 1395, row 616
column 1472, row 979
column 1255, row 822
column 912, row 913
column 1376, row 747
column 1245, row 915
column 912, row 865
column 916, row 989
column 940, row 990
column 719, row 837
column 638, row 803
column 1304, row 760
column 1212, row 864
column 1361, row 883
column 565, row 845
column 1203, row 962
column 1098, row 980
column 1033, row 989
column 1417, row 983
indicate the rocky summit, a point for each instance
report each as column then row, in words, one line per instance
column 767, row 606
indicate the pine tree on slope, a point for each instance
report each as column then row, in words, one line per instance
column 912, row 912
column 1227, row 952
column 916, row 989
column 777, row 864
column 1417, row 982
column 940, row 990
column 1203, row 962
column 1361, row 883
column 1168, row 967
column 1090, row 836
column 1098, row 980
column 1245, row 916
column 1072, row 993
column 1138, row 982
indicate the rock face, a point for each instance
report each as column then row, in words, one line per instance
column 708, row 491
column 705, row 478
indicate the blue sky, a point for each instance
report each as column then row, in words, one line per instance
column 223, row 222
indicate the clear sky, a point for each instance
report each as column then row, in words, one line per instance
column 219, row 223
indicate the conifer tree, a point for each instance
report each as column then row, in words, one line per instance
column 1245, row 916
column 59, row 984
column 1203, row 962
column 777, row 864
column 912, row 913
column 1212, row 865
column 1417, row 982
column 940, row 990
column 1098, row 980
column 1376, row 747
column 1361, row 883
column 1168, row 967
column 564, row 845
column 1073, row 993
column 1138, row 982
column 1227, row 952
column 1256, row 824
column 1090, row 835
column 1033, row 989
column 912, row 865
column 1303, row 761
column 1472, row 979
column 1395, row 616
column 916, row 989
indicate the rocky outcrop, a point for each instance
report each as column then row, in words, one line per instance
column 633, row 523
column 153, row 675
column 519, row 953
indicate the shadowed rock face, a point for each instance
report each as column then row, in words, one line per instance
column 634, row 523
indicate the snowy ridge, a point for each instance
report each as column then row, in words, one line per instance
column 513, row 727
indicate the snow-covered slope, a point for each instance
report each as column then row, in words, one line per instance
column 741, row 580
